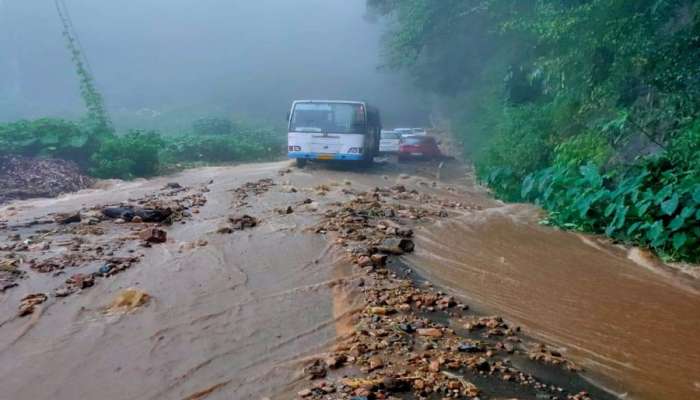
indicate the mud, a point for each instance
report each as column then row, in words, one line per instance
column 241, row 314
column 626, row 318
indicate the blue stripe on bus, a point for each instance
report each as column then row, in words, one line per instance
column 314, row 156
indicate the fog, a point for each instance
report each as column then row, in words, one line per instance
column 162, row 63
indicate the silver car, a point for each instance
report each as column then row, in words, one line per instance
column 389, row 142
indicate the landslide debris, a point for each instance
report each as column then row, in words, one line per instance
column 24, row 178
column 77, row 250
column 413, row 340
column 9, row 273
column 243, row 192
column 29, row 303
column 127, row 301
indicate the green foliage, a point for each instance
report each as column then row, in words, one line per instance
column 126, row 157
column 590, row 108
column 654, row 204
column 212, row 126
column 589, row 147
column 249, row 145
column 48, row 137
column 137, row 153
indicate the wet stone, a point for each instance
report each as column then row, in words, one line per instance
column 468, row 347
column 153, row 235
column 240, row 222
column 29, row 302
column 172, row 185
column 375, row 362
column 67, row 218
column 395, row 385
column 379, row 260
column 316, row 370
column 334, row 362
column 430, row 332
column 396, row 246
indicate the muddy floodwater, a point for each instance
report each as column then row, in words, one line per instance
column 632, row 323
column 236, row 316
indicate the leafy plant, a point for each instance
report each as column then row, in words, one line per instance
column 653, row 204
column 589, row 147
column 589, row 108
column 48, row 137
column 132, row 155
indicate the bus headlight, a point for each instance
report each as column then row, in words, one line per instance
column 294, row 148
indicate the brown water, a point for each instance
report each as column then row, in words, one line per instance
column 235, row 318
column 632, row 324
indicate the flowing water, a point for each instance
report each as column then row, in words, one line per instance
column 233, row 319
column 631, row 322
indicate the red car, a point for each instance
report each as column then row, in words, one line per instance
column 418, row 147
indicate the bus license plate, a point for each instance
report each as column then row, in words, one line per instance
column 325, row 156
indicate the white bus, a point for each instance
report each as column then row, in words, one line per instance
column 333, row 130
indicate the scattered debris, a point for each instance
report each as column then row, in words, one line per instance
column 130, row 213
column 316, row 370
column 153, row 235
column 68, row 218
column 9, row 273
column 29, row 303
column 128, row 300
column 237, row 223
column 540, row 352
column 242, row 222
column 285, row 211
column 396, row 246
column 172, row 185
column 241, row 193
column 404, row 340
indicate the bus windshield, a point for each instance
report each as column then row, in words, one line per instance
column 328, row 118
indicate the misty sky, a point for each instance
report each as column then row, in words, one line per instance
column 222, row 57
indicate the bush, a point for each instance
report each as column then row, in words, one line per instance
column 212, row 126
column 126, row 157
column 590, row 147
column 243, row 146
column 138, row 153
column 684, row 149
column 520, row 146
column 48, row 137
column 655, row 204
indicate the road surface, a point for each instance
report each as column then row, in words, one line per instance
column 238, row 315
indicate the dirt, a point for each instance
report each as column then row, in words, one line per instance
column 264, row 276
column 26, row 178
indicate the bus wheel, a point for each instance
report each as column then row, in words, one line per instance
column 301, row 162
column 367, row 161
